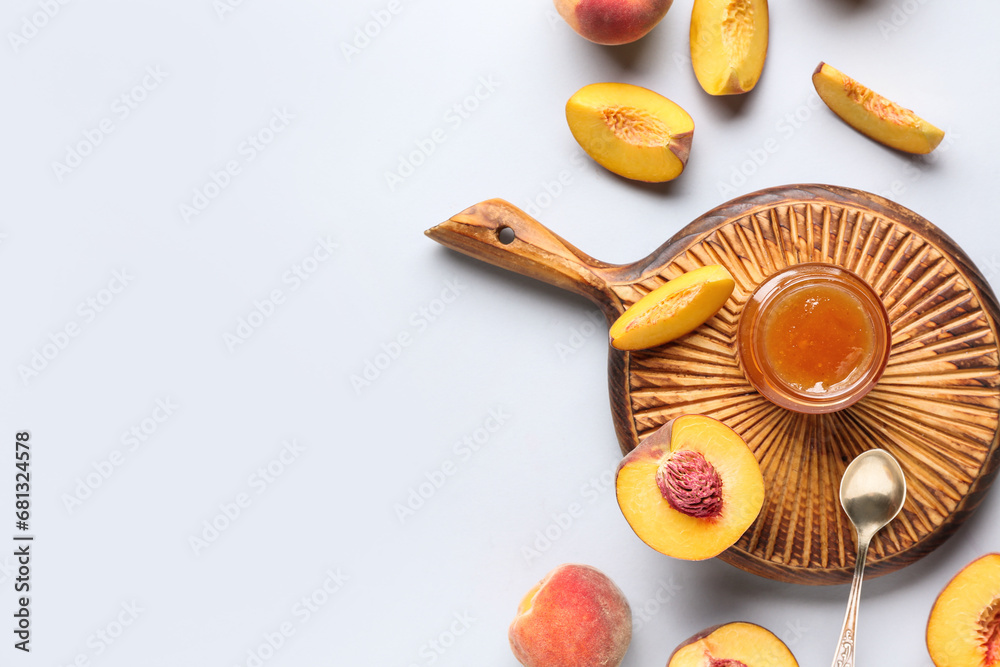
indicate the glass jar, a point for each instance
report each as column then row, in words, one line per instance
column 814, row 338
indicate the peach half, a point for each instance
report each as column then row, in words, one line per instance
column 964, row 625
column 612, row 21
column 873, row 115
column 733, row 645
column 673, row 309
column 574, row 617
column 631, row 131
column 728, row 44
column 690, row 489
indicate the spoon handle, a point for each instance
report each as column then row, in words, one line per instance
column 844, row 657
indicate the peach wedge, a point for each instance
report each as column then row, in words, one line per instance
column 673, row 309
column 728, row 44
column 691, row 489
column 964, row 625
column 631, row 131
column 733, row 645
column 873, row 115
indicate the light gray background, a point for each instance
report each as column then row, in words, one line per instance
column 438, row 586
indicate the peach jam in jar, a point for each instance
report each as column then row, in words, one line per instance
column 814, row 338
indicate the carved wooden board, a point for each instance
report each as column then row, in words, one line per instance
column 936, row 408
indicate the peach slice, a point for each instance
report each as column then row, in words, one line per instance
column 964, row 625
column 728, row 44
column 873, row 115
column 673, row 309
column 612, row 21
column 574, row 617
column 690, row 489
column 733, row 645
column 631, row 131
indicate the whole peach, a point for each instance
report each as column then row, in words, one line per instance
column 612, row 21
column 574, row 617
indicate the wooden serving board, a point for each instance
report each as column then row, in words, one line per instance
column 936, row 408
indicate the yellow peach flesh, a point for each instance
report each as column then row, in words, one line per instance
column 873, row 115
column 733, row 644
column 964, row 623
column 728, row 44
column 636, row 127
column 631, row 131
column 673, row 309
column 528, row 599
column 676, row 533
column 737, row 29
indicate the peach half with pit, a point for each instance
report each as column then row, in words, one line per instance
column 574, row 617
column 691, row 488
column 873, row 115
column 963, row 629
column 631, row 131
column 612, row 22
column 675, row 308
column 736, row 644
column 728, row 44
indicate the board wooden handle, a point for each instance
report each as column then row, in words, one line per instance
column 499, row 233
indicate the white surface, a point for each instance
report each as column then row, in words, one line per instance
column 440, row 586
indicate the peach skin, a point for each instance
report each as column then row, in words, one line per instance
column 612, row 22
column 574, row 617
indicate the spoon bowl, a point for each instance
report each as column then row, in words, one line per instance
column 872, row 492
